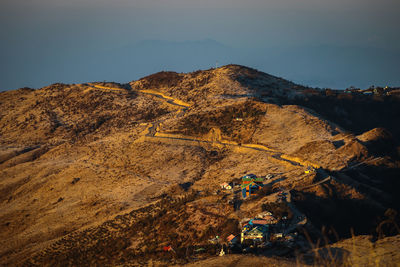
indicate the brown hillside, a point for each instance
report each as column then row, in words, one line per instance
column 107, row 174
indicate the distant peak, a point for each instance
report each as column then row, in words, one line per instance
column 236, row 67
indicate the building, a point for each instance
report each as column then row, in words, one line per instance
column 255, row 232
column 226, row 186
column 231, row 239
column 250, row 189
column 251, row 185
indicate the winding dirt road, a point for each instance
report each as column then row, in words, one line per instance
column 152, row 131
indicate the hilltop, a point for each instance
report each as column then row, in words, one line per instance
column 122, row 170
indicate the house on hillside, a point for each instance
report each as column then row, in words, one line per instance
column 250, row 189
column 226, row 186
column 231, row 239
column 251, row 185
column 259, row 222
column 255, row 232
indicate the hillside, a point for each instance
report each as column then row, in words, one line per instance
column 121, row 170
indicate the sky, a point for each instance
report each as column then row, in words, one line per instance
column 319, row 43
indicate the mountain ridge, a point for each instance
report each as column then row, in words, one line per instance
column 74, row 158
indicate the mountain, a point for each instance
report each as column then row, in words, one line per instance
column 324, row 66
column 110, row 174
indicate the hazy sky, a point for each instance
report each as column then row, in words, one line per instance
column 314, row 42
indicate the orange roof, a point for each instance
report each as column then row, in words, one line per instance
column 260, row 222
column 229, row 238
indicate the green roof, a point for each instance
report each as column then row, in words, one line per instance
column 247, row 179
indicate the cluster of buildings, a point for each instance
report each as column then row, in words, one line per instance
column 264, row 230
column 257, row 230
column 380, row 91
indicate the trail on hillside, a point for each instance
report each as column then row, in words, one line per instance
column 152, row 132
column 100, row 87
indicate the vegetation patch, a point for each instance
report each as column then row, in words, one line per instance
column 236, row 122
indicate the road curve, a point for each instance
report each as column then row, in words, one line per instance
column 152, row 130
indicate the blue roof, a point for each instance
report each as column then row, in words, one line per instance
column 252, row 176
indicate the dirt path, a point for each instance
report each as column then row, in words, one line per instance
column 298, row 217
column 152, row 131
column 99, row 87
column 169, row 99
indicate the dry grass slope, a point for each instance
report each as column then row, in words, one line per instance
column 84, row 166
